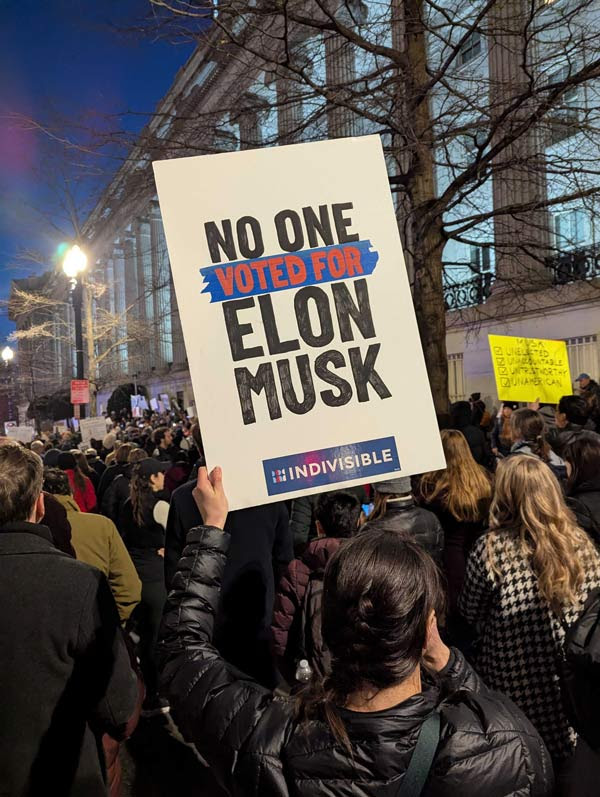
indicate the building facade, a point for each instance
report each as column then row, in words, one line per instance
column 534, row 272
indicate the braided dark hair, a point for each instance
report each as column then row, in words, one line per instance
column 379, row 590
column 528, row 425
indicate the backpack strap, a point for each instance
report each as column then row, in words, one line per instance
column 422, row 757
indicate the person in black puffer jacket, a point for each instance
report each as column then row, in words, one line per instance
column 396, row 510
column 583, row 485
column 354, row 734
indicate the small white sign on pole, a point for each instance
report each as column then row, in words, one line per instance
column 92, row 429
column 299, row 325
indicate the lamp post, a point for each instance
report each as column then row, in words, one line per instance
column 8, row 355
column 74, row 264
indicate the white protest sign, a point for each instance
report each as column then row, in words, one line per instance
column 301, row 335
column 92, row 429
column 24, row 434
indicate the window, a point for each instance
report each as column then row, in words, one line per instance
column 570, row 229
column 456, row 378
column 480, row 260
column 564, row 118
column 470, row 49
column 583, row 356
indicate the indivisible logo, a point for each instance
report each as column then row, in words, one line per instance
column 309, row 469
column 278, row 476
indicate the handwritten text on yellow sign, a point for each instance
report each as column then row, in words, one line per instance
column 527, row 369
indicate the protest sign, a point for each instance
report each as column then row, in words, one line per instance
column 80, row 391
column 528, row 369
column 164, row 397
column 92, row 429
column 24, row 434
column 154, row 404
column 300, row 331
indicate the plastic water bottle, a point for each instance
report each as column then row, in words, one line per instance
column 303, row 671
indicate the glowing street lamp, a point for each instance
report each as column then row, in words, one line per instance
column 7, row 354
column 75, row 261
column 74, row 264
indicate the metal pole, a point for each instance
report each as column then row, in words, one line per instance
column 77, row 296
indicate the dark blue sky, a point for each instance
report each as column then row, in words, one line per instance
column 64, row 59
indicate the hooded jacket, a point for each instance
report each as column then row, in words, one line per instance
column 254, row 744
column 97, row 542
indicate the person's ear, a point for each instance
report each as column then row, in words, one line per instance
column 431, row 628
column 40, row 509
column 320, row 529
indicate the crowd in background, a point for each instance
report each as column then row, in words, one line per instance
column 306, row 646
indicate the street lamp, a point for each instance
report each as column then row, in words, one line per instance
column 8, row 355
column 74, row 264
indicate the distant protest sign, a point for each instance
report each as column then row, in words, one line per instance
column 298, row 320
column 24, row 434
column 92, row 429
column 80, row 391
column 527, row 369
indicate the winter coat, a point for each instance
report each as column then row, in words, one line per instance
column 65, row 675
column 404, row 516
column 459, row 538
column 261, row 547
column 144, row 542
column 116, row 494
column 86, row 498
column 290, row 640
column 559, row 438
column 111, row 472
column 521, row 639
column 462, row 419
column 97, row 542
column 253, row 743
column 584, row 500
column 55, row 518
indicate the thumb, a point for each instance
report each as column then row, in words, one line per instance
column 216, row 479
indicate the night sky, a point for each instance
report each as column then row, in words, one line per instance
column 66, row 60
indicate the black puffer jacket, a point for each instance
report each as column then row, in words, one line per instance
column 252, row 741
column 403, row 515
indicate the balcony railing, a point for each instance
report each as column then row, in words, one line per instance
column 579, row 264
column 468, row 294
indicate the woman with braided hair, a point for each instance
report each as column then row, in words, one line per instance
column 393, row 687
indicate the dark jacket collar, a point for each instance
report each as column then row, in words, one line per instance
column 24, row 527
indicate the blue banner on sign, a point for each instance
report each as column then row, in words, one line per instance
column 288, row 270
column 292, row 472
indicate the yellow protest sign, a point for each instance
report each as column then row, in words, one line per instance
column 527, row 369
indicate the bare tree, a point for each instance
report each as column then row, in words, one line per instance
column 488, row 114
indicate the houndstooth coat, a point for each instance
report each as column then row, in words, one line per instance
column 521, row 639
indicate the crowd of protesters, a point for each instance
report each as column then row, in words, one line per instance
column 402, row 638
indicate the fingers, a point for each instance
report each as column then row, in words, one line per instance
column 203, row 481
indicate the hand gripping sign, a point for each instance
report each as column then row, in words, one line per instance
column 296, row 310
